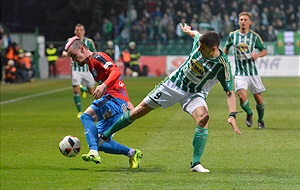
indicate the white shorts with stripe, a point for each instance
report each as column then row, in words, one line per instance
column 254, row 83
column 167, row 94
column 84, row 78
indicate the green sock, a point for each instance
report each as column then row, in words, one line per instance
column 84, row 88
column 77, row 101
column 246, row 107
column 260, row 110
column 121, row 123
column 199, row 142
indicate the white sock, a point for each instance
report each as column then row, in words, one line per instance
column 94, row 152
column 131, row 153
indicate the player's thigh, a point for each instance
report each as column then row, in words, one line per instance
column 165, row 95
column 194, row 105
column 106, row 124
column 241, row 82
column 256, row 85
column 88, row 79
column 76, row 78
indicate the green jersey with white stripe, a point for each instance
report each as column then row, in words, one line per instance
column 244, row 45
column 90, row 44
column 199, row 74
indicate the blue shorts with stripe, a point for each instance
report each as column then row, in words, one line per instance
column 108, row 110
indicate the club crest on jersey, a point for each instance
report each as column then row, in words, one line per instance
column 243, row 47
column 196, row 67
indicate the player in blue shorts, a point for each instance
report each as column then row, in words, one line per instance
column 106, row 110
column 111, row 101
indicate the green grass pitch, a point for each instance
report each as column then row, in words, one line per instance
column 36, row 116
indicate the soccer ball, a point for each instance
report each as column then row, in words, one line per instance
column 134, row 74
column 70, row 146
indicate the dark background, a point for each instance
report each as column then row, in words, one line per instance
column 56, row 18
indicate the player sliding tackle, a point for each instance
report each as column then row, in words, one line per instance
column 189, row 85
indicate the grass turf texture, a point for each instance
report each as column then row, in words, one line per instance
column 259, row 159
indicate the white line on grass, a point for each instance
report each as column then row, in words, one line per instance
column 34, row 95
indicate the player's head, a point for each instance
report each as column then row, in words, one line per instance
column 245, row 20
column 77, row 50
column 209, row 43
column 79, row 31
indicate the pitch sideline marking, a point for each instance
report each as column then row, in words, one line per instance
column 33, row 96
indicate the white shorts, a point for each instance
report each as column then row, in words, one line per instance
column 253, row 82
column 84, row 78
column 167, row 94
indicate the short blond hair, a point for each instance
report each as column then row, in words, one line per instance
column 246, row 14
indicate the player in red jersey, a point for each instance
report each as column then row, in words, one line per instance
column 111, row 102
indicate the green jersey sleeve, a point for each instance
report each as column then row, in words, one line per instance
column 259, row 44
column 225, row 75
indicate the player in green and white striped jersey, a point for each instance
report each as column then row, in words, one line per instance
column 245, row 41
column 189, row 85
column 82, row 79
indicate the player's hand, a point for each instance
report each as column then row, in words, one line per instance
column 255, row 56
column 99, row 91
column 185, row 28
column 231, row 120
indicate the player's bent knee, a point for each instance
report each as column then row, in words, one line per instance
column 85, row 117
column 202, row 120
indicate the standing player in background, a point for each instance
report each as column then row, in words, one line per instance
column 244, row 42
column 189, row 85
column 111, row 101
column 82, row 80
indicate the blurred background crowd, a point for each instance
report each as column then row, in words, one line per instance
column 152, row 24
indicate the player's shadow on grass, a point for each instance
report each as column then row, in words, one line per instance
column 137, row 170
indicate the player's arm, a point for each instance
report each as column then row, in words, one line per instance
column 227, row 46
column 188, row 30
column 226, row 81
column 259, row 44
column 262, row 53
column 231, row 103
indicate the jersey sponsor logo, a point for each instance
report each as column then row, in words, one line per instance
column 242, row 47
column 107, row 64
column 243, row 54
column 121, row 84
column 196, row 67
column 191, row 76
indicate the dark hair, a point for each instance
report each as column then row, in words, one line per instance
column 210, row 39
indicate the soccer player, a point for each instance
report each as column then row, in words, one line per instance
column 82, row 80
column 111, row 101
column 189, row 85
column 244, row 42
